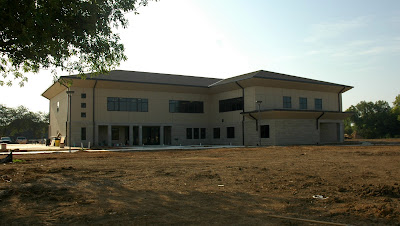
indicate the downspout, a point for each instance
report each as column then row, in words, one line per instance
column 339, row 99
column 94, row 122
column 319, row 118
column 256, row 121
column 242, row 112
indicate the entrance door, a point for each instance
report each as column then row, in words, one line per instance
column 151, row 135
column 167, row 135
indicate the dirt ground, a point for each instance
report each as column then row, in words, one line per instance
column 358, row 185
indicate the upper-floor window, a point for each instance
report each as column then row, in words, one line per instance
column 287, row 102
column 83, row 95
column 58, row 106
column 233, row 104
column 318, row 104
column 127, row 104
column 182, row 106
column 83, row 105
column 303, row 103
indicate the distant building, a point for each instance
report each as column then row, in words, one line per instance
column 139, row 108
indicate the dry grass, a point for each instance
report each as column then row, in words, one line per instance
column 242, row 186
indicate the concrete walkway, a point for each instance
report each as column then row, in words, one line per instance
column 21, row 149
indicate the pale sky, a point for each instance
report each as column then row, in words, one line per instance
column 355, row 43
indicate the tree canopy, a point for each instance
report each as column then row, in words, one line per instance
column 374, row 120
column 20, row 121
column 75, row 36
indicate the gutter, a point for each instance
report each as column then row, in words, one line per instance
column 94, row 122
column 242, row 112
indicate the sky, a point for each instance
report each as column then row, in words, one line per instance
column 354, row 43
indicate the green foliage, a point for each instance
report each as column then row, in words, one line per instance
column 348, row 129
column 75, row 36
column 374, row 120
column 22, row 122
column 396, row 107
column 18, row 160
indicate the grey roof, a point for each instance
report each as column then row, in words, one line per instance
column 153, row 78
column 272, row 75
column 184, row 80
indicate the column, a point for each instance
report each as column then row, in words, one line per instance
column 161, row 135
column 96, row 135
column 140, row 135
column 109, row 143
column 130, row 135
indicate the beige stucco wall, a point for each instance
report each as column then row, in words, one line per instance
column 58, row 118
column 282, row 131
column 272, row 98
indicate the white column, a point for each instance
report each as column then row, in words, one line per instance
column 109, row 142
column 96, row 135
column 161, row 135
column 140, row 135
column 130, row 135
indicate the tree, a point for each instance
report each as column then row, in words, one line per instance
column 75, row 36
column 22, row 122
column 374, row 120
column 396, row 107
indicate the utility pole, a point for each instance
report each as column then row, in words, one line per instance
column 69, row 93
column 259, row 126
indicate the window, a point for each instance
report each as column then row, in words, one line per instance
column 188, row 133
column 230, row 132
column 287, row 102
column 127, row 104
column 115, row 133
column 303, row 103
column 203, row 133
column 83, row 105
column 264, row 130
column 318, row 104
column 83, row 95
column 58, row 106
column 182, row 106
column 217, row 133
column 196, row 133
column 83, row 133
column 233, row 104
column 83, row 114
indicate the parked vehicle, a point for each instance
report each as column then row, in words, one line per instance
column 6, row 140
column 21, row 140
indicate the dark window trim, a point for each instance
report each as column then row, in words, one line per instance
column 287, row 102
column 217, row 133
column 230, row 132
column 233, row 104
column 264, row 131
column 185, row 106
column 127, row 104
column 303, row 103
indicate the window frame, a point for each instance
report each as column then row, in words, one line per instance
column 83, row 133
column 264, row 131
column 318, row 104
column 186, row 106
column 303, row 103
column 287, row 102
column 230, row 132
column 232, row 104
column 189, row 133
column 217, row 133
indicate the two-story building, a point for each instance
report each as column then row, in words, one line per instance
column 139, row 108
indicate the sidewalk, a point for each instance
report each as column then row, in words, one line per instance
column 21, row 149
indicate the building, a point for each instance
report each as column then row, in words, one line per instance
column 138, row 108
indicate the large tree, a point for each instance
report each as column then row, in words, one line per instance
column 75, row 36
column 396, row 107
column 374, row 120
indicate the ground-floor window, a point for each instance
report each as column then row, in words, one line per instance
column 230, row 132
column 195, row 133
column 83, row 133
column 115, row 133
column 264, row 130
column 217, row 133
column 189, row 133
column 203, row 133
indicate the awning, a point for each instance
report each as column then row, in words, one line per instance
column 296, row 114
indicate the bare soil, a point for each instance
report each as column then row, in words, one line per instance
column 241, row 186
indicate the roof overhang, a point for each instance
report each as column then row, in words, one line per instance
column 296, row 114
